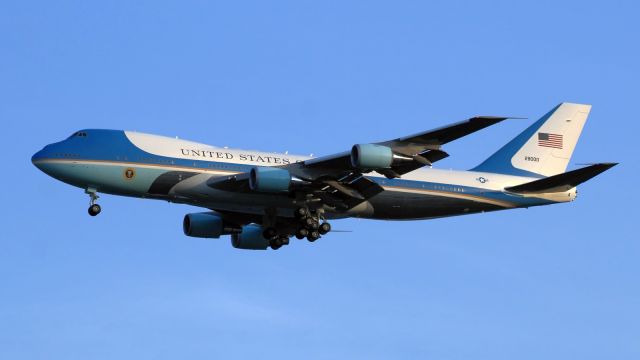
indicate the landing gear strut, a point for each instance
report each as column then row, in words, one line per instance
column 94, row 209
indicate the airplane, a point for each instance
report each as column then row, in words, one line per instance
column 263, row 199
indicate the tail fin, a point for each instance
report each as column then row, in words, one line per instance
column 544, row 148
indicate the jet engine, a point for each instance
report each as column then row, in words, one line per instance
column 250, row 238
column 206, row 225
column 372, row 156
column 269, row 179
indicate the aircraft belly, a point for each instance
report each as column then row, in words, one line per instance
column 396, row 205
column 391, row 205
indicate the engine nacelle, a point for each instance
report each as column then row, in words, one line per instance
column 269, row 179
column 206, row 225
column 250, row 238
column 371, row 156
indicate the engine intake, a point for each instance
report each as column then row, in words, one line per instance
column 269, row 179
column 250, row 238
column 371, row 156
column 206, row 225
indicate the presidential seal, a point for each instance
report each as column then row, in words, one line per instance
column 129, row 173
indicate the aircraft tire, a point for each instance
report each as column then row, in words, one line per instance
column 94, row 209
column 302, row 233
column 324, row 228
column 311, row 223
column 313, row 236
column 301, row 213
column 275, row 244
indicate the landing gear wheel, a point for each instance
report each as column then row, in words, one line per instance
column 313, row 236
column 276, row 243
column 301, row 212
column 269, row 233
column 311, row 223
column 302, row 233
column 94, row 209
column 308, row 222
column 324, row 228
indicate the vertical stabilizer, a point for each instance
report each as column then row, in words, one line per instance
column 544, row 148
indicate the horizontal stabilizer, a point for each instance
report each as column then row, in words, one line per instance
column 561, row 182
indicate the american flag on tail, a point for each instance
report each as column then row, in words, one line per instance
column 550, row 140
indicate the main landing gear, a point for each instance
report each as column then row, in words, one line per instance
column 94, row 209
column 310, row 226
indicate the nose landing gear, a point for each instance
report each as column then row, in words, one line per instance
column 94, row 209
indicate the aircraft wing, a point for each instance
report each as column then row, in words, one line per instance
column 339, row 181
column 418, row 149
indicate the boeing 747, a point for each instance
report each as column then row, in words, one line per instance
column 263, row 199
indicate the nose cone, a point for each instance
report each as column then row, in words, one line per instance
column 37, row 157
column 41, row 158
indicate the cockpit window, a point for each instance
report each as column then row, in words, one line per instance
column 79, row 134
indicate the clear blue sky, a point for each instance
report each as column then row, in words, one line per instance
column 315, row 77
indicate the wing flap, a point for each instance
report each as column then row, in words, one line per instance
column 349, row 192
column 423, row 159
